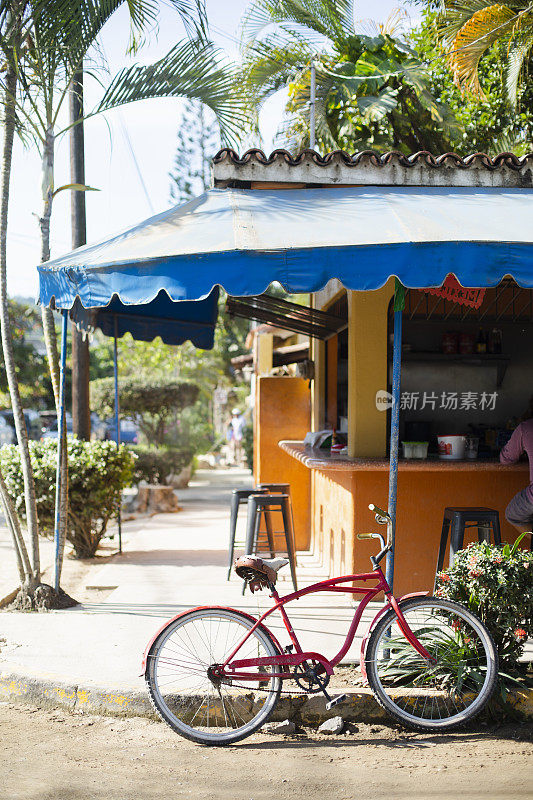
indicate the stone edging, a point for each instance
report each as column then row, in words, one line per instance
column 48, row 691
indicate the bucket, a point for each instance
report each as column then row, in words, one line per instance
column 451, row 448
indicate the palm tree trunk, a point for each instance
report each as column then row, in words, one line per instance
column 23, row 560
column 7, row 343
column 50, row 336
column 49, row 327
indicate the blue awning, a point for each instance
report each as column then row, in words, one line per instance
column 243, row 240
column 174, row 322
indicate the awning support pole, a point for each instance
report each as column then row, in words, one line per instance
column 117, row 421
column 312, row 104
column 60, row 448
column 399, row 301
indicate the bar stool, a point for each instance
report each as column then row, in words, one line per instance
column 457, row 520
column 263, row 505
column 238, row 498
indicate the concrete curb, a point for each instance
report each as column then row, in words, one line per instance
column 51, row 692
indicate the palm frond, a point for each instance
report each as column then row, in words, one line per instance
column 329, row 18
column 270, row 64
column 484, row 27
column 454, row 14
column 520, row 47
column 194, row 70
column 374, row 107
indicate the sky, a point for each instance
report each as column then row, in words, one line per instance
column 129, row 151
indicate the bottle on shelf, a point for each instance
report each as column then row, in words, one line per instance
column 481, row 342
column 495, row 341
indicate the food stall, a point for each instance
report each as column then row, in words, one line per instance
column 338, row 227
column 472, row 400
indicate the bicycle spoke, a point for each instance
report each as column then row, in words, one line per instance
column 183, row 674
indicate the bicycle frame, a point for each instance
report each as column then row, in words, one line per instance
column 230, row 668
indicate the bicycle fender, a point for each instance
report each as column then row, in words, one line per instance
column 203, row 608
column 373, row 625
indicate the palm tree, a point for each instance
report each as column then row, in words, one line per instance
column 370, row 90
column 470, row 27
column 57, row 35
column 13, row 28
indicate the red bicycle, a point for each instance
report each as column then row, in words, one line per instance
column 215, row 674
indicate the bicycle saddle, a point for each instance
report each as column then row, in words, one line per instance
column 258, row 572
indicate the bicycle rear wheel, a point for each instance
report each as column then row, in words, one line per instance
column 185, row 692
column 441, row 694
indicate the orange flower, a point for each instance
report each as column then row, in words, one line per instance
column 520, row 634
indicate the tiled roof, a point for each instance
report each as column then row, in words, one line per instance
column 376, row 159
column 371, row 168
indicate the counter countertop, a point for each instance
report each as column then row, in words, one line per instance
column 314, row 458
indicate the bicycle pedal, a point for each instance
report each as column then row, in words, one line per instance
column 335, row 701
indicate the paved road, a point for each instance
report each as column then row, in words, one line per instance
column 54, row 756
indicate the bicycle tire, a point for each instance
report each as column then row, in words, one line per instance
column 167, row 708
column 392, row 662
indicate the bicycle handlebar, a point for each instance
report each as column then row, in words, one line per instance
column 383, row 518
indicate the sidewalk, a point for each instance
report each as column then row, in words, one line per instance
column 170, row 562
column 89, row 657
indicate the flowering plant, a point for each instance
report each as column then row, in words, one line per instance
column 496, row 583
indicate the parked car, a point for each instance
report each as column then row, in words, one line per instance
column 51, row 433
column 33, row 422
column 49, row 418
column 129, row 433
column 99, row 427
column 7, row 433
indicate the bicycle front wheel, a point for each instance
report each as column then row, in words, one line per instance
column 184, row 688
column 442, row 693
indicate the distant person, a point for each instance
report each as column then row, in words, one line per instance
column 237, row 426
column 519, row 512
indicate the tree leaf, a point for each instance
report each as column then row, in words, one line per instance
column 192, row 69
column 77, row 187
column 374, row 107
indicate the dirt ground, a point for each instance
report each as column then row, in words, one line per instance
column 53, row 755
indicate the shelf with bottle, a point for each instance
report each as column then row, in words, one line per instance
column 500, row 361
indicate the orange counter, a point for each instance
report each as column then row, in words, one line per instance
column 342, row 488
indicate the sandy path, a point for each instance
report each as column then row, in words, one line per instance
column 51, row 755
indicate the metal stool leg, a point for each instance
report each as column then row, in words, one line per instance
column 289, row 538
column 483, row 532
column 232, row 529
column 442, row 548
column 496, row 530
column 269, row 532
column 253, row 521
column 456, row 537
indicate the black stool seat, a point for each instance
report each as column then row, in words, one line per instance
column 263, row 506
column 456, row 520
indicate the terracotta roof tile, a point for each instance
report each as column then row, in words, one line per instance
column 373, row 158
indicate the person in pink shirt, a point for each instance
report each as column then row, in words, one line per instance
column 519, row 512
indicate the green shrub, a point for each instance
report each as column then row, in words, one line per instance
column 156, row 465
column 97, row 474
column 153, row 405
column 496, row 583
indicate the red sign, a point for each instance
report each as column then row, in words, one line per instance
column 452, row 290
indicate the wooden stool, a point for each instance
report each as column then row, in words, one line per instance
column 455, row 522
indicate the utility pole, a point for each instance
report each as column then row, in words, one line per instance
column 81, row 412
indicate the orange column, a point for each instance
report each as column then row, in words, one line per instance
column 283, row 411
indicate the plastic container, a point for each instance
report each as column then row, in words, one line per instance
column 471, row 446
column 451, row 448
column 415, row 449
